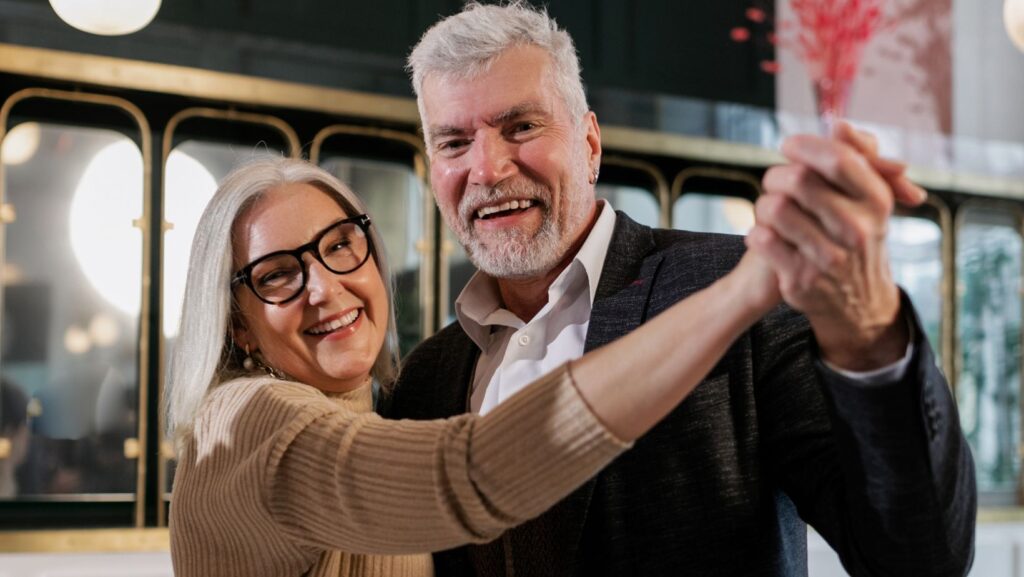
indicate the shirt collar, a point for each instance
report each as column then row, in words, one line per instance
column 479, row 305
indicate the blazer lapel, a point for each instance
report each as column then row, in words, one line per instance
column 620, row 306
column 624, row 290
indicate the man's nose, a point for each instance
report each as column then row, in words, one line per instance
column 493, row 160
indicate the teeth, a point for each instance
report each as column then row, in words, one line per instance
column 510, row 205
column 334, row 325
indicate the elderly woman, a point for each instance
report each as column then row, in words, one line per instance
column 283, row 467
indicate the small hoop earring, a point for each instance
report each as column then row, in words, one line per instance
column 247, row 363
column 595, row 174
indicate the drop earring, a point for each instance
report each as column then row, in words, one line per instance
column 247, row 363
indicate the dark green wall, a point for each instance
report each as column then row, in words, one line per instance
column 675, row 47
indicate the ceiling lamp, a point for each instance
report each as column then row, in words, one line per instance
column 107, row 17
column 1013, row 18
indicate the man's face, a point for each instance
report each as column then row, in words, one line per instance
column 509, row 167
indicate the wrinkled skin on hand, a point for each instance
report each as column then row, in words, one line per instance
column 821, row 224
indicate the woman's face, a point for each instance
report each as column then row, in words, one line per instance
column 300, row 337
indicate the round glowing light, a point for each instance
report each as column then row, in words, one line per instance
column 20, row 144
column 103, row 330
column 107, row 17
column 104, row 240
column 189, row 187
column 1013, row 18
column 107, row 245
column 77, row 340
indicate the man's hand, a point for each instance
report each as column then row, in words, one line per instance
column 822, row 224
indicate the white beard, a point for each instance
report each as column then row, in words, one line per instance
column 515, row 253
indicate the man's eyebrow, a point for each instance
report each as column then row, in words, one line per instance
column 516, row 111
column 519, row 110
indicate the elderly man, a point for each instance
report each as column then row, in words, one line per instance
column 835, row 417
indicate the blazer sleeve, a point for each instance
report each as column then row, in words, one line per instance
column 882, row 472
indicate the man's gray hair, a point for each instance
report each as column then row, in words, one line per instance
column 204, row 354
column 464, row 45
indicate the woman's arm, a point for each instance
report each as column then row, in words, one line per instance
column 367, row 485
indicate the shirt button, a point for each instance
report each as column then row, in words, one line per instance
column 524, row 340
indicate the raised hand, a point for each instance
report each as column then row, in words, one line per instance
column 821, row 224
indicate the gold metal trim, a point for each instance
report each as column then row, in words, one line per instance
column 661, row 189
column 291, row 139
column 948, row 289
column 145, row 137
column 107, row 71
column 8, row 213
column 205, row 84
column 635, row 140
column 710, row 172
column 86, row 541
column 427, row 271
column 5, row 448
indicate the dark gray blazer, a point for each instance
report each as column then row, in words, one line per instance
column 724, row 484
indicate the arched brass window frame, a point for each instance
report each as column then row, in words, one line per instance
column 291, row 138
column 424, row 246
column 142, row 223
column 947, row 291
column 661, row 189
column 711, row 172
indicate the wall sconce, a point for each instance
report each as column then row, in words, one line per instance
column 107, row 17
column 1013, row 18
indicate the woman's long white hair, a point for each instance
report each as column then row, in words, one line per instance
column 204, row 354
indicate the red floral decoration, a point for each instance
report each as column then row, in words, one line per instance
column 829, row 37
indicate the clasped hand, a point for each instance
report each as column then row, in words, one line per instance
column 821, row 227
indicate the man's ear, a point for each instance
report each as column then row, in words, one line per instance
column 593, row 139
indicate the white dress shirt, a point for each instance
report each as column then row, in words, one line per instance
column 514, row 352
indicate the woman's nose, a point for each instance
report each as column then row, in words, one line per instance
column 321, row 283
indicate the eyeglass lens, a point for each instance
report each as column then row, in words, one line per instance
column 342, row 249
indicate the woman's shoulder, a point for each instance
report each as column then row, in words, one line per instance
column 263, row 401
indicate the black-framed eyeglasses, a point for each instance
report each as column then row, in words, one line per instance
column 279, row 277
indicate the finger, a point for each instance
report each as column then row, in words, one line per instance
column 783, row 258
column 801, row 230
column 840, row 164
column 865, row 142
column 835, row 212
column 893, row 171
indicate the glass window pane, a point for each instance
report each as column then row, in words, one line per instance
column 988, row 324
column 72, row 285
column 713, row 213
column 639, row 203
column 915, row 251
column 394, row 199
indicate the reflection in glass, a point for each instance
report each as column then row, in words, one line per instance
column 988, row 322
column 915, row 253
column 394, row 202
column 713, row 213
column 639, row 203
column 71, row 294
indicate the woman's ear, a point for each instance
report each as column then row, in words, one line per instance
column 240, row 334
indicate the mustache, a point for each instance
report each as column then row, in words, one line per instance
column 517, row 189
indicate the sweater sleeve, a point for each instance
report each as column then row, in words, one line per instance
column 363, row 484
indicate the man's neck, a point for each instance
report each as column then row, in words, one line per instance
column 525, row 297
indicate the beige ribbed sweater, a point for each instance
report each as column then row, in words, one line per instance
column 278, row 478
